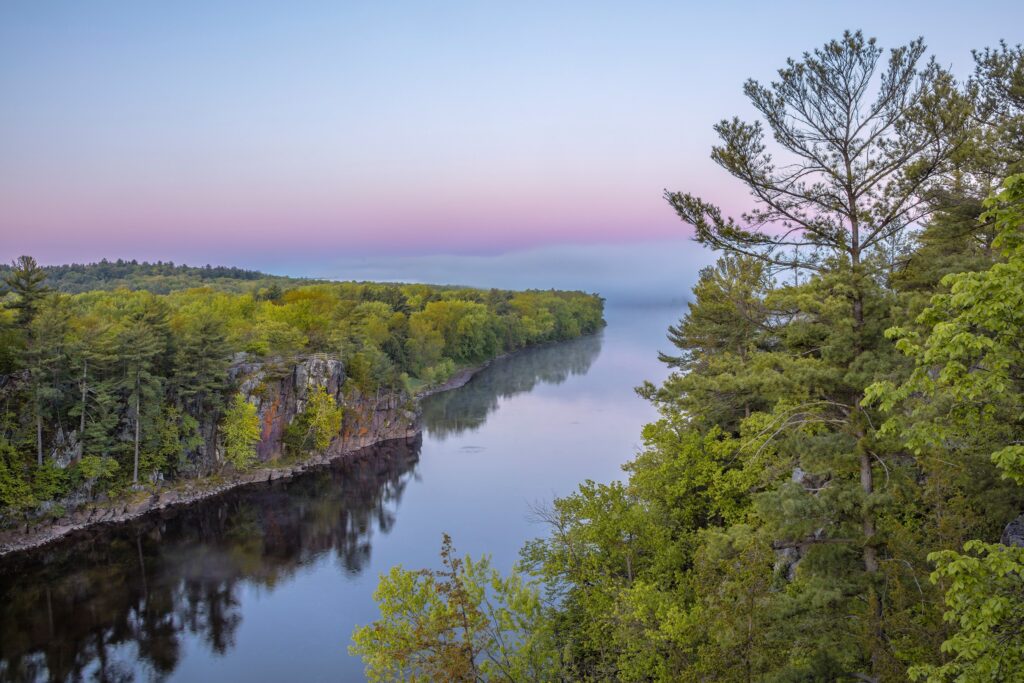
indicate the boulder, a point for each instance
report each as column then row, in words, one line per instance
column 1013, row 534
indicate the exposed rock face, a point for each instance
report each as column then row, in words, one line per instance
column 66, row 448
column 786, row 561
column 1013, row 534
column 280, row 390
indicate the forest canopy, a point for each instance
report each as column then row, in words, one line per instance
column 118, row 385
column 160, row 277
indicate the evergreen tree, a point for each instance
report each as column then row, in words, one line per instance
column 45, row 359
column 26, row 280
column 139, row 348
column 201, row 361
column 865, row 148
column 92, row 348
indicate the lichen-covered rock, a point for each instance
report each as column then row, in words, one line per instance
column 1013, row 534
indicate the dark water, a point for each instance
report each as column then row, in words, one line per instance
column 266, row 583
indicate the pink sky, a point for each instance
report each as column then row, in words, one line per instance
column 202, row 134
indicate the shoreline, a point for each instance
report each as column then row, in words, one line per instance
column 195, row 490
column 460, row 378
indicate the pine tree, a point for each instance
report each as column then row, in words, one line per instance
column 26, row 281
column 45, row 359
column 201, row 362
column 865, row 145
column 92, row 356
column 139, row 349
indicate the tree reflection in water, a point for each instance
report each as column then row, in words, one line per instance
column 98, row 603
column 454, row 412
column 113, row 604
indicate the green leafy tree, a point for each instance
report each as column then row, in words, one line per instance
column 201, row 362
column 727, row 323
column 464, row 622
column 240, row 430
column 969, row 364
column 861, row 142
column 117, row 372
column 104, row 405
column 324, row 418
column 999, row 82
column 15, row 488
column 45, row 358
column 97, row 468
column 985, row 607
column 92, row 344
column 964, row 401
column 174, row 435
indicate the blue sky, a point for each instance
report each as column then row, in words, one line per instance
column 301, row 137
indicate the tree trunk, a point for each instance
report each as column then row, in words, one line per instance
column 867, row 478
column 870, row 555
column 39, row 435
column 867, row 484
column 138, row 421
column 81, row 418
column 858, row 296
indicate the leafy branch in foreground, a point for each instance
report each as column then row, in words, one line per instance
column 985, row 601
column 464, row 622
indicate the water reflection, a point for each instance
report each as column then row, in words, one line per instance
column 454, row 412
column 106, row 602
column 123, row 603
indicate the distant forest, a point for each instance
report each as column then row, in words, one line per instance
column 160, row 277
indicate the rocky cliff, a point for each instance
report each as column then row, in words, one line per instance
column 280, row 389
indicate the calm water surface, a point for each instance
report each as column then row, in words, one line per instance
column 266, row 583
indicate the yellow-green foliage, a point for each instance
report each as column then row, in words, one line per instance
column 324, row 418
column 143, row 370
column 464, row 622
column 15, row 491
column 96, row 468
column 240, row 429
column 985, row 610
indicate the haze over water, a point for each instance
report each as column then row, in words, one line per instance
column 266, row 583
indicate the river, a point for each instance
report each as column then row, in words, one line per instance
column 267, row 582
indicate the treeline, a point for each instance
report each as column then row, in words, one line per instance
column 103, row 390
column 839, row 446
column 160, row 277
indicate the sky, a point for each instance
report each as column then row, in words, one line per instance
column 399, row 140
